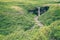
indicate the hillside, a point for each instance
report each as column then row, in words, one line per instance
column 17, row 23
column 51, row 15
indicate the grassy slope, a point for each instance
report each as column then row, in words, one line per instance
column 18, row 23
column 11, row 19
column 51, row 15
column 44, row 33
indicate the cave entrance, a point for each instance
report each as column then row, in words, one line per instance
column 39, row 10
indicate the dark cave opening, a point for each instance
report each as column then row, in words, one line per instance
column 42, row 10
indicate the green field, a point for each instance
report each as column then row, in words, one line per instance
column 16, row 23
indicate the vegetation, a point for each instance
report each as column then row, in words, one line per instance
column 16, row 23
column 51, row 15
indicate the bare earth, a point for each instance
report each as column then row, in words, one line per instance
column 38, row 22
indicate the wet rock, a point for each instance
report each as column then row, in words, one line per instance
column 42, row 10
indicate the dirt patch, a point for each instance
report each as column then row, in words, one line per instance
column 38, row 22
column 17, row 8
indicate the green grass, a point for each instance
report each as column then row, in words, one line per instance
column 17, row 24
column 51, row 15
column 9, row 18
column 44, row 33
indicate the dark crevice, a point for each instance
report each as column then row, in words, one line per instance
column 42, row 10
